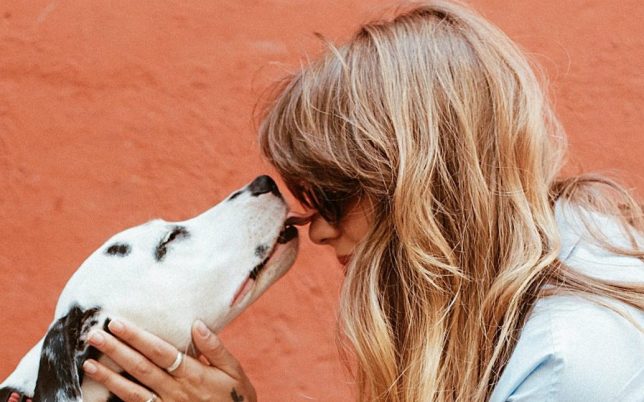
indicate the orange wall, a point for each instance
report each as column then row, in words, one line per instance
column 112, row 113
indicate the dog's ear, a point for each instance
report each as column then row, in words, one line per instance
column 63, row 353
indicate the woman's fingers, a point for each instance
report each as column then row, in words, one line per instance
column 129, row 360
column 160, row 352
column 141, row 354
column 218, row 356
column 214, row 351
column 117, row 384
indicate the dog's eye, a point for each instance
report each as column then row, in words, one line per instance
column 119, row 249
column 178, row 232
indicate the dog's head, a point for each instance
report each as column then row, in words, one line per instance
column 209, row 267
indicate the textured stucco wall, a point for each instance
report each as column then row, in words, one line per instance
column 112, row 113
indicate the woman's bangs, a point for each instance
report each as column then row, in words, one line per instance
column 300, row 136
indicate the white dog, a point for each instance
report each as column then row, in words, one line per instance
column 162, row 276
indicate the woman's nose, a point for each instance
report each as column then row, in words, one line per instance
column 322, row 232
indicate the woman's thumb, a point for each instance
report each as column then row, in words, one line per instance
column 214, row 351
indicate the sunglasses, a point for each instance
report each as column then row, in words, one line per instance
column 330, row 204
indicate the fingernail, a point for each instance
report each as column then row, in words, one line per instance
column 116, row 326
column 202, row 329
column 90, row 367
column 96, row 338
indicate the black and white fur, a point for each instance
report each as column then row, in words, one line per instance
column 162, row 276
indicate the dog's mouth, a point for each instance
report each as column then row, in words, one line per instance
column 288, row 233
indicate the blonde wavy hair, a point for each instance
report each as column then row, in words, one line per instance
column 439, row 120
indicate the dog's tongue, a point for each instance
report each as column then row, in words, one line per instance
column 246, row 287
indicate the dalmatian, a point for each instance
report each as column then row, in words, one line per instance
column 161, row 276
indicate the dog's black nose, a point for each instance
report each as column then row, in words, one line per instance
column 262, row 185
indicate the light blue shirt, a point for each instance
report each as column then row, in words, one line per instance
column 570, row 348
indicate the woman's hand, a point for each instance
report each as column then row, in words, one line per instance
column 215, row 376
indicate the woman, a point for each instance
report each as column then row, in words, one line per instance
column 428, row 157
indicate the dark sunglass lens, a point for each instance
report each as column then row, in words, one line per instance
column 334, row 206
column 329, row 204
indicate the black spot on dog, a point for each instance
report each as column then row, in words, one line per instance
column 261, row 250
column 118, row 249
column 235, row 195
column 256, row 270
column 178, row 232
column 160, row 252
